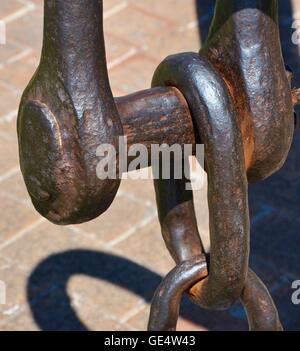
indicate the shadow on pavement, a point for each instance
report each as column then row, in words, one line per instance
column 51, row 306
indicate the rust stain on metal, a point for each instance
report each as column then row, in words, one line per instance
column 235, row 97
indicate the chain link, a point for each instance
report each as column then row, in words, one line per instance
column 246, row 124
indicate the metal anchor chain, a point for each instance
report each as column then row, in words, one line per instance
column 260, row 309
column 235, row 97
column 217, row 86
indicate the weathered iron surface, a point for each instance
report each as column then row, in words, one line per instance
column 256, row 111
column 67, row 111
column 235, row 97
column 244, row 46
column 166, row 301
column 152, row 117
column 260, row 309
column 215, row 118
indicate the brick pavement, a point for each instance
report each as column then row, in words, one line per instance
column 101, row 275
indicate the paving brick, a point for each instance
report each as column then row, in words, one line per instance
column 109, row 5
column 142, row 189
column 175, row 41
column 139, row 68
column 202, row 213
column 51, row 314
column 117, row 50
column 18, row 261
column 38, row 2
column 9, row 7
column 27, row 30
column 53, row 256
column 9, row 100
column 101, row 299
column 15, row 217
column 45, row 239
column 15, row 189
column 140, row 320
column 170, row 10
column 185, row 325
column 96, row 321
column 9, row 51
column 19, row 73
column 17, row 323
column 8, row 126
column 122, row 217
column 15, row 278
column 142, row 29
column 148, row 249
column 9, row 155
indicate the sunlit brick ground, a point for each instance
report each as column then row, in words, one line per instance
column 101, row 275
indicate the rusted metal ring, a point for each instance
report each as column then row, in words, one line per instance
column 167, row 297
column 259, row 306
column 215, row 119
column 261, row 311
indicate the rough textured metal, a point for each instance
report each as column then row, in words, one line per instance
column 216, row 120
column 166, row 301
column 67, row 111
column 235, row 97
column 244, row 46
column 240, row 97
column 260, row 309
column 153, row 116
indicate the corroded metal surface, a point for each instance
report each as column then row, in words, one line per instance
column 244, row 46
column 235, row 97
column 68, row 110
column 255, row 118
column 260, row 309
column 215, row 117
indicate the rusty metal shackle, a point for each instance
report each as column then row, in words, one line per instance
column 249, row 61
column 67, row 111
column 215, row 119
